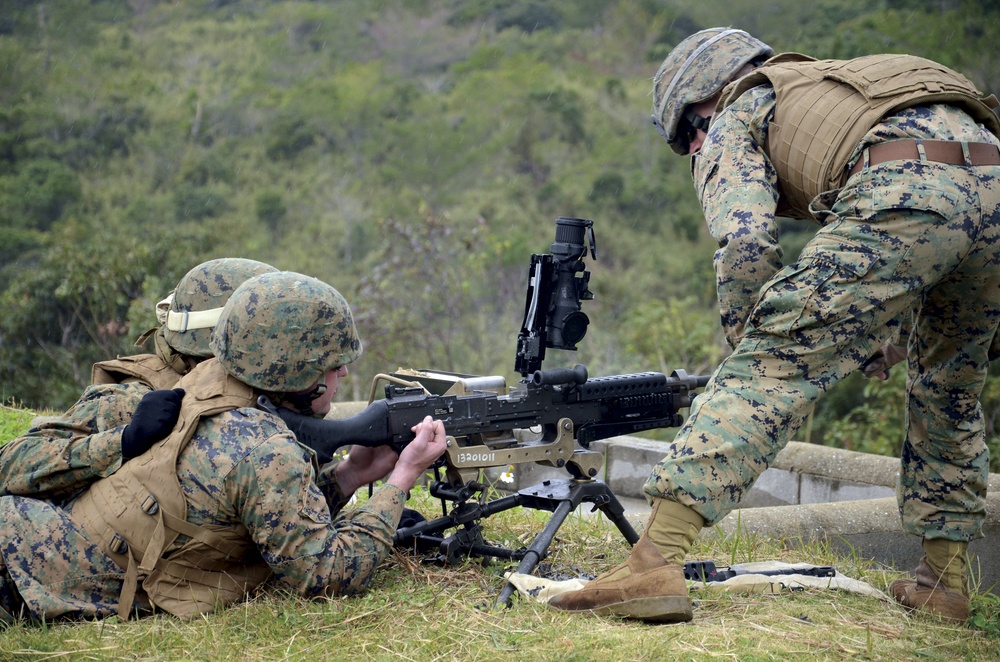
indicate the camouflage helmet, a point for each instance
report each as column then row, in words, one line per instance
column 190, row 312
column 281, row 332
column 694, row 71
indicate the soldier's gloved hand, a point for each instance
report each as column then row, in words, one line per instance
column 884, row 358
column 153, row 420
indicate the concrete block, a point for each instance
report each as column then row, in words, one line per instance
column 837, row 463
column 628, row 462
column 821, row 489
column 774, row 487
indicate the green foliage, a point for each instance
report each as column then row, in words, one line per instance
column 985, row 614
column 38, row 194
column 419, row 286
column 197, row 203
column 271, row 209
column 673, row 334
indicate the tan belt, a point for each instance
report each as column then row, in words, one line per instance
column 939, row 151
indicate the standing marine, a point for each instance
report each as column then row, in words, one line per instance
column 896, row 158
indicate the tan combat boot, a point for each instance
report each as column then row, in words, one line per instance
column 941, row 587
column 650, row 585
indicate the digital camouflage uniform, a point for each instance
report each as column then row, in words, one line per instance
column 901, row 237
column 241, row 467
column 61, row 455
column 242, row 470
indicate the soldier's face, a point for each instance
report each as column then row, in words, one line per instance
column 321, row 405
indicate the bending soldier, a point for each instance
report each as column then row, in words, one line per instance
column 896, row 157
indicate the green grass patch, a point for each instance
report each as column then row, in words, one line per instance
column 14, row 421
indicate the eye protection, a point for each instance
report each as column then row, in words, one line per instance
column 687, row 129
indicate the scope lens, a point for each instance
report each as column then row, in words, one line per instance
column 574, row 327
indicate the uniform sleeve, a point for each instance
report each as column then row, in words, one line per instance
column 61, row 455
column 737, row 187
column 289, row 519
column 328, row 484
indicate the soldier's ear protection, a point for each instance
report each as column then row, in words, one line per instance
column 301, row 402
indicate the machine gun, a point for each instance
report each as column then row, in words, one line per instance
column 550, row 417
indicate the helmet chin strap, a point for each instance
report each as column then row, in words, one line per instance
column 300, row 402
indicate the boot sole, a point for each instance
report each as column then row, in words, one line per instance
column 662, row 609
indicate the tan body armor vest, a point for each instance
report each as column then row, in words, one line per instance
column 147, row 368
column 136, row 515
column 825, row 107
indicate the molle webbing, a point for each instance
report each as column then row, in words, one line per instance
column 136, row 515
column 146, row 368
column 825, row 107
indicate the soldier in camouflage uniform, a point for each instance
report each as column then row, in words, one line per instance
column 896, row 158
column 229, row 499
column 61, row 455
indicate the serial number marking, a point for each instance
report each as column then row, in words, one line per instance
column 476, row 457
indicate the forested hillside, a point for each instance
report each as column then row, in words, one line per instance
column 412, row 153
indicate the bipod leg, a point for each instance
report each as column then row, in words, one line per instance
column 614, row 511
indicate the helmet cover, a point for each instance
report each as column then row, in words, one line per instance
column 190, row 312
column 281, row 332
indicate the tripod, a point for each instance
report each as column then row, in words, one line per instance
column 560, row 497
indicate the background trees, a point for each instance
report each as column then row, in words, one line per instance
column 413, row 153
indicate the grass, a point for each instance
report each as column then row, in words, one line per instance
column 14, row 421
column 422, row 611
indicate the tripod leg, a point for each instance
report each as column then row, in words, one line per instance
column 614, row 511
column 538, row 548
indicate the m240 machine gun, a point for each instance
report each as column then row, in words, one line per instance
column 550, row 417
